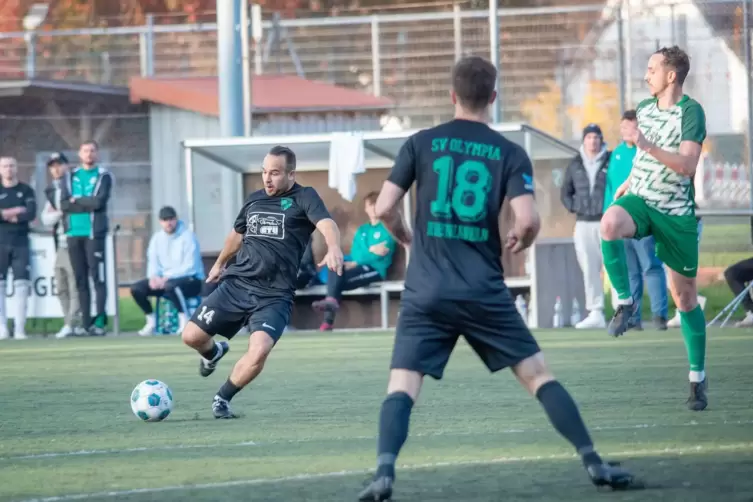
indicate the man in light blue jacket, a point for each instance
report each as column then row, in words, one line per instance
column 174, row 269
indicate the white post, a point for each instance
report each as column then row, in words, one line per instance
column 494, row 50
column 376, row 57
column 457, row 25
column 188, row 164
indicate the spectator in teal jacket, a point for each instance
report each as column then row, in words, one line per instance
column 643, row 263
column 370, row 257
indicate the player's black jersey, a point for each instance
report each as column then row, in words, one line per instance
column 20, row 195
column 276, row 230
column 463, row 171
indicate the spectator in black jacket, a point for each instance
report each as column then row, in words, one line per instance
column 86, row 193
column 583, row 195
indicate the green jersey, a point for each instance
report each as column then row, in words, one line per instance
column 620, row 165
column 83, row 183
column 662, row 188
column 368, row 235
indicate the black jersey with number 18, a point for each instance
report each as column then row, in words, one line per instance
column 463, row 172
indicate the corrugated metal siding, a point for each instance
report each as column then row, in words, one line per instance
column 168, row 127
column 217, row 190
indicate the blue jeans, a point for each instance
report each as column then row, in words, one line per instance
column 643, row 264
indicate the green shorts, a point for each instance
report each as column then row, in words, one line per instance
column 676, row 236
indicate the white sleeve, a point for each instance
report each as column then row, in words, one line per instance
column 50, row 216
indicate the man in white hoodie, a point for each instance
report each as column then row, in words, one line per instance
column 583, row 195
column 174, row 269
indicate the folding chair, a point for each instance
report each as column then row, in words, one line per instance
column 732, row 306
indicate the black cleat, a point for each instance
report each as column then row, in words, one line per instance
column 378, row 490
column 221, row 409
column 635, row 326
column 613, row 476
column 697, row 400
column 660, row 323
column 620, row 320
column 206, row 368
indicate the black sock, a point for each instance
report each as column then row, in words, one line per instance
column 228, row 390
column 393, row 431
column 565, row 417
column 210, row 355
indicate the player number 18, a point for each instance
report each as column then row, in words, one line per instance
column 466, row 194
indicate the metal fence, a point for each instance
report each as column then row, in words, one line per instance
column 558, row 54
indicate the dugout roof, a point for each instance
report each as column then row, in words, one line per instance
column 245, row 154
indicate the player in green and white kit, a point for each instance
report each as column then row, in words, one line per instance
column 658, row 199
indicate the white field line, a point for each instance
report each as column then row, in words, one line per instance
column 338, row 474
column 148, row 449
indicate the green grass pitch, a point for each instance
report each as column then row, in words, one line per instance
column 309, row 425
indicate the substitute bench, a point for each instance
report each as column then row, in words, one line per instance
column 384, row 288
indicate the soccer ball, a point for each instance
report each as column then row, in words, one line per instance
column 152, row 401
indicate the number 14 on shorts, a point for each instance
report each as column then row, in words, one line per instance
column 205, row 315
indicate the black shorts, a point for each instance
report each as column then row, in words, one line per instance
column 233, row 305
column 17, row 259
column 426, row 334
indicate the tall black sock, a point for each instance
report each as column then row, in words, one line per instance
column 393, row 431
column 228, row 390
column 565, row 417
column 211, row 354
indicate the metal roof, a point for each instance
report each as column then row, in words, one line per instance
column 270, row 94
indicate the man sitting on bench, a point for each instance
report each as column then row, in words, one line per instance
column 371, row 256
column 174, row 270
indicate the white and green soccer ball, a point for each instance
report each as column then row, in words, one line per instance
column 152, row 401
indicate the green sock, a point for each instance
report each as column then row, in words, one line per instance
column 613, row 253
column 693, row 326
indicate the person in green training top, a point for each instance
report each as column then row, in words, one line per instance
column 643, row 265
column 371, row 256
column 84, row 197
column 658, row 199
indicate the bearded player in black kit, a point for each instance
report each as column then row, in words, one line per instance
column 269, row 238
column 454, row 284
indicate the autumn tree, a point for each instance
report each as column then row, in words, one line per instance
column 601, row 105
column 543, row 111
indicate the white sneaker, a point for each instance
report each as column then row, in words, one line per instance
column 147, row 330
column 80, row 331
column 20, row 335
column 702, row 302
column 4, row 335
column 747, row 322
column 64, row 332
column 675, row 321
column 595, row 320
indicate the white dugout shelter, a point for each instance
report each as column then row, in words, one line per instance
column 549, row 270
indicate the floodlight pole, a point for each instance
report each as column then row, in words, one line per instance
column 229, row 67
column 247, row 99
column 31, row 49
